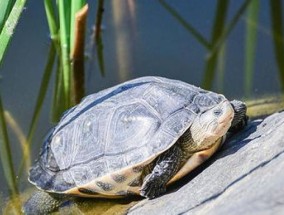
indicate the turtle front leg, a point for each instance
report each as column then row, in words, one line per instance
column 166, row 165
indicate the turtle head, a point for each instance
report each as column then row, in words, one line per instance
column 212, row 124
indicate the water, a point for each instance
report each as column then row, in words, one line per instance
column 141, row 39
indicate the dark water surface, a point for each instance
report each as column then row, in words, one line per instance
column 145, row 38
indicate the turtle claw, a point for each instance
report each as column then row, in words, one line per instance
column 152, row 188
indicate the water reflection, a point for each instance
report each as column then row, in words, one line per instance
column 278, row 37
column 96, row 39
column 250, row 44
column 124, row 26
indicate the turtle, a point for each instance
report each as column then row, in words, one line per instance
column 135, row 138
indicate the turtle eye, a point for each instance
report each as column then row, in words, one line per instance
column 217, row 112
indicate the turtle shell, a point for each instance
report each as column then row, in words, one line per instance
column 117, row 129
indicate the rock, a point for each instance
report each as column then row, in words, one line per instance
column 245, row 177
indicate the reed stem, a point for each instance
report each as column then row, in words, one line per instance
column 9, row 26
column 65, row 48
column 6, row 155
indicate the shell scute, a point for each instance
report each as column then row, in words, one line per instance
column 114, row 162
column 128, row 123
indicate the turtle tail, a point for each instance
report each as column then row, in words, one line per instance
column 42, row 203
column 240, row 118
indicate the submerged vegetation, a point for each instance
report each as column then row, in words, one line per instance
column 66, row 59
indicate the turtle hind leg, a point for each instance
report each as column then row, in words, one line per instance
column 42, row 203
column 166, row 165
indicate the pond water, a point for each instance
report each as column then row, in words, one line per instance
column 174, row 39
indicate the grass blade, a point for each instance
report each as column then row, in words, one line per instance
column 6, row 156
column 186, row 25
column 42, row 92
column 64, row 21
column 58, row 107
column 11, row 122
column 250, row 47
column 5, row 9
column 221, row 64
column 9, row 26
column 40, row 99
column 99, row 19
column 230, row 27
column 217, row 30
column 52, row 22
column 97, row 45
column 100, row 53
column 277, row 26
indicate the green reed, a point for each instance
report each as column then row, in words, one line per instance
column 99, row 47
column 5, row 8
column 64, row 8
column 250, row 44
column 66, row 20
column 59, row 55
column 220, row 32
column 39, row 103
column 10, row 11
column 51, row 19
column 98, row 42
column 6, row 154
column 217, row 30
column 61, row 23
column 210, row 67
column 61, row 17
column 278, row 35
column 221, row 65
column 192, row 30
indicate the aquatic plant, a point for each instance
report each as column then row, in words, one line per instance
column 10, row 12
column 6, row 155
column 278, row 35
column 250, row 44
column 220, row 31
column 66, row 21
